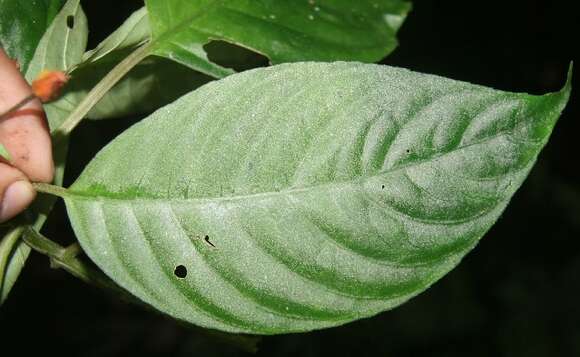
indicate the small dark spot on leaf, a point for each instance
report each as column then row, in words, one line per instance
column 206, row 238
column 382, row 187
column 180, row 271
column 408, row 151
column 70, row 22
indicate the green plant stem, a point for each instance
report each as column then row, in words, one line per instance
column 71, row 263
column 6, row 248
column 101, row 89
column 72, row 250
column 50, row 189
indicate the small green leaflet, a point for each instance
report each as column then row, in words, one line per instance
column 4, row 153
column 329, row 192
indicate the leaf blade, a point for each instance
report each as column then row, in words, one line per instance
column 283, row 31
column 343, row 192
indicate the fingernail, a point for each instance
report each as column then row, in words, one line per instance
column 16, row 198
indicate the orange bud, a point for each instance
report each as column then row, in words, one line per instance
column 48, row 84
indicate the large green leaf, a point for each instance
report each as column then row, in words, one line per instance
column 60, row 48
column 285, row 31
column 305, row 195
column 22, row 24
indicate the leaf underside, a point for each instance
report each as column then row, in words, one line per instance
column 305, row 195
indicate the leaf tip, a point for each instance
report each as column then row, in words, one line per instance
column 568, row 85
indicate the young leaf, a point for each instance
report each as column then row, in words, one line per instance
column 305, row 195
column 134, row 31
column 284, row 31
column 59, row 48
column 151, row 84
column 22, row 24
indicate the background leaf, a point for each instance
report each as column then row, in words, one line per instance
column 152, row 83
column 133, row 32
column 60, row 48
column 284, row 31
column 22, row 24
column 343, row 192
column 158, row 81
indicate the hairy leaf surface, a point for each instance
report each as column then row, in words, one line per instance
column 305, row 195
column 284, row 31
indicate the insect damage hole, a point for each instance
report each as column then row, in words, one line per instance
column 180, row 271
column 235, row 57
column 70, row 22
column 206, row 239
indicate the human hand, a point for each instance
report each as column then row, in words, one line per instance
column 24, row 133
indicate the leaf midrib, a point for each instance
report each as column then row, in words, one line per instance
column 70, row 193
column 169, row 32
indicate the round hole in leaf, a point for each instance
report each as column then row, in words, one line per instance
column 180, row 271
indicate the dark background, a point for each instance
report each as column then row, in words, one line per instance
column 516, row 294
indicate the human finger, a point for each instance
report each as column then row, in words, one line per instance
column 16, row 193
column 24, row 132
